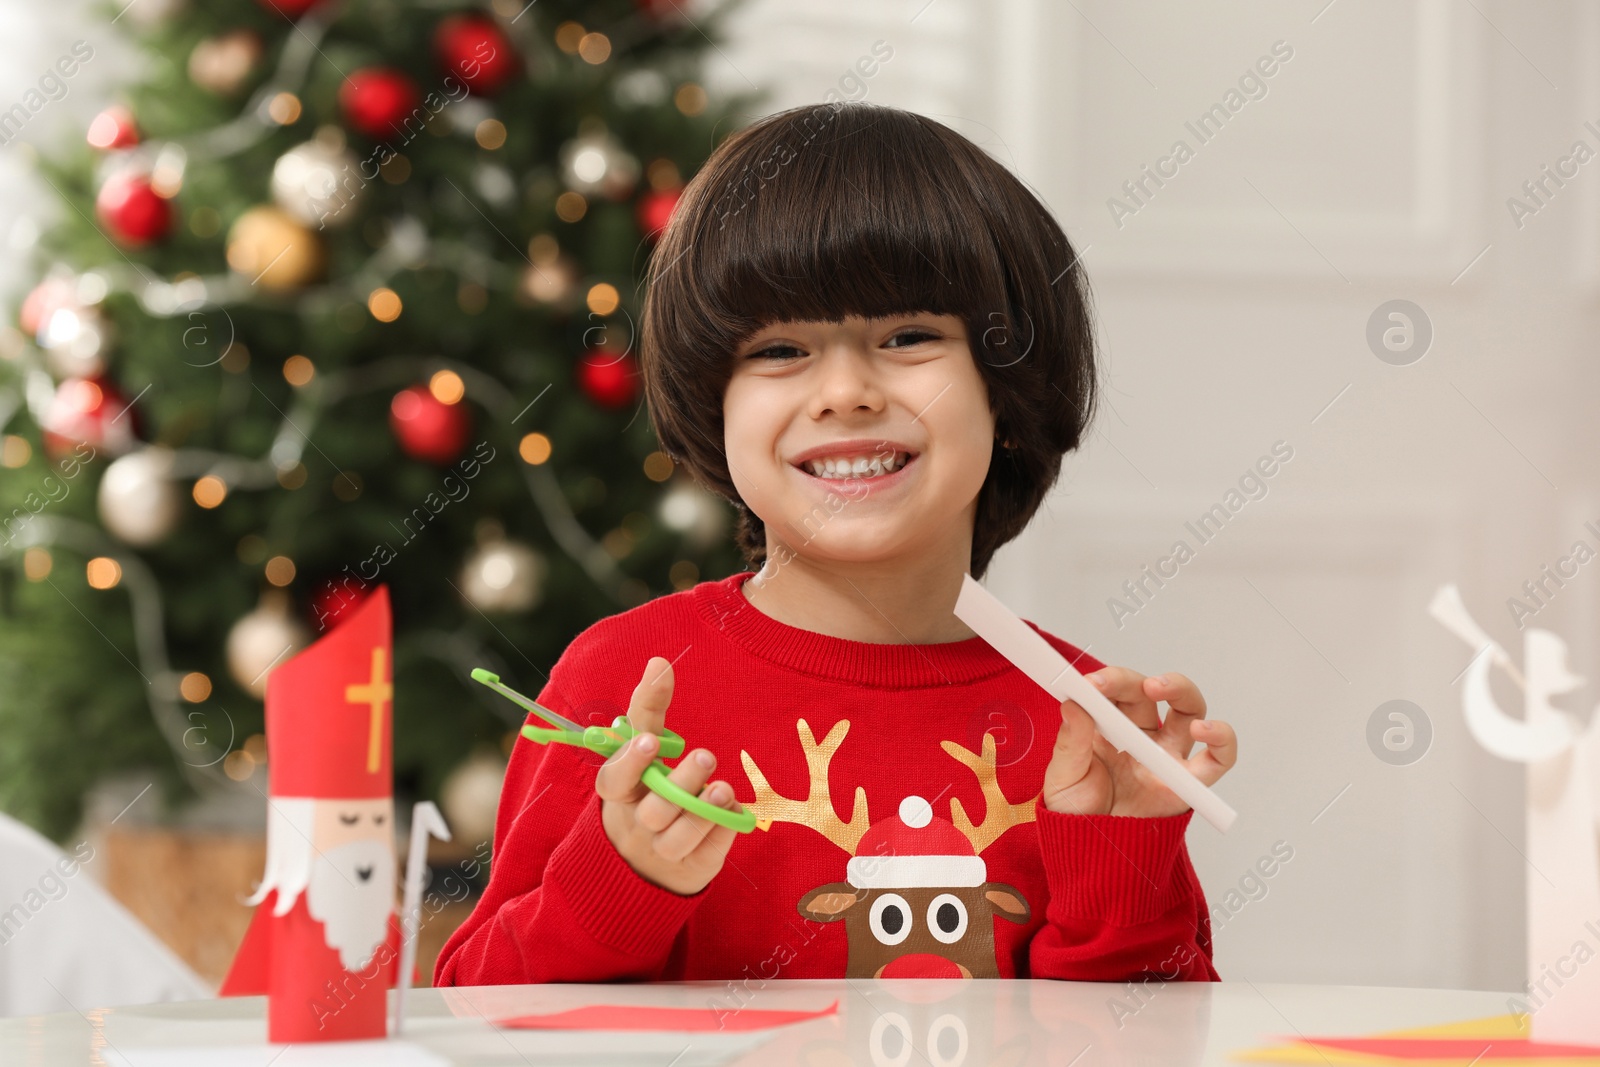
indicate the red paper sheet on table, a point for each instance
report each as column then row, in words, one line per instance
column 682, row 1020
column 1499, row 1039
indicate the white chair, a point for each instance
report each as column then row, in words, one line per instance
column 66, row 944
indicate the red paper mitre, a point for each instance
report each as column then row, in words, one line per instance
column 330, row 711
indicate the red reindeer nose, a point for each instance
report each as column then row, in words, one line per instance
column 922, row 965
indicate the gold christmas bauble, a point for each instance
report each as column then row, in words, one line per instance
column 224, row 63
column 267, row 247
column 553, row 282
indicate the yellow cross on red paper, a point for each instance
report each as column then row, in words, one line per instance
column 376, row 693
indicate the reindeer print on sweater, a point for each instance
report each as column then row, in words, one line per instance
column 916, row 900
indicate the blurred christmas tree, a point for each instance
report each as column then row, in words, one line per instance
column 342, row 294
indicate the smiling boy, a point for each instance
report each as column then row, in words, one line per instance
column 880, row 362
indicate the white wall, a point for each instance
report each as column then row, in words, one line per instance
column 1234, row 306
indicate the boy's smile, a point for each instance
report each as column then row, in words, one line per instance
column 859, row 465
column 865, row 440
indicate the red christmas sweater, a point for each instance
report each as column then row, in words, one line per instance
column 943, row 863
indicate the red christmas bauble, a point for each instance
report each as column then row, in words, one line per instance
column 473, row 49
column 131, row 210
column 292, row 8
column 609, row 379
column 113, row 128
column 376, row 101
column 88, row 411
column 426, row 427
column 654, row 210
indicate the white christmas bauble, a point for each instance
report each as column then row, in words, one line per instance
column 597, row 163
column 75, row 338
column 470, row 795
column 465, row 114
column 495, row 184
column 318, row 182
column 503, row 576
column 139, row 502
column 695, row 513
column 407, row 243
column 262, row 641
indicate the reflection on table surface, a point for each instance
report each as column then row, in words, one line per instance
column 884, row 1023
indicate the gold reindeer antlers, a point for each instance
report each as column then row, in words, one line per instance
column 816, row 810
column 999, row 815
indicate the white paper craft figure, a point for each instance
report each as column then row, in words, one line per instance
column 1563, row 813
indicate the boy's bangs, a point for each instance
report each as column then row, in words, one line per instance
column 893, row 242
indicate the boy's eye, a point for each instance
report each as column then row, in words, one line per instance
column 775, row 352
column 911, row 337
column 905, row 337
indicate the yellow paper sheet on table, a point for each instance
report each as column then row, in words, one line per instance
column 1504, row 1030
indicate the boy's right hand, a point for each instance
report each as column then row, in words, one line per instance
column 664, row 844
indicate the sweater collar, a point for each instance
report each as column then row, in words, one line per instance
column 723, row 606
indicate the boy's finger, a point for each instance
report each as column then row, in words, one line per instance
column 689, row 831
column 720, row 839
column 1125, row 689
column 618, row 777
column 1219, row 755
column 1185, row 706
column 647, row 710
column 655, row 812
column 1074, row 748
column 716, row 844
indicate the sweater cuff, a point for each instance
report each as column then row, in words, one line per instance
column 609, row 899
column 1118, row 869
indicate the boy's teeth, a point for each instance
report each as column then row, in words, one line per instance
column 857, row 467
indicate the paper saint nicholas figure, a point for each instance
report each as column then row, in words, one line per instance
column 323, row 943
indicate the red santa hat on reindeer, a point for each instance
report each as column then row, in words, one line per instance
column 915, row 850
column 323, row 941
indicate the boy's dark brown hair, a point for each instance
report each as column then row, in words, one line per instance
column 825, row 211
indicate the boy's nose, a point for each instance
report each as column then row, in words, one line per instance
column 847, row 384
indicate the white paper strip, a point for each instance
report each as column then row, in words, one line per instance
column 1034, row 656
column 425, row 822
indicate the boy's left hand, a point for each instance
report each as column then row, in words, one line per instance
column 1088, row 776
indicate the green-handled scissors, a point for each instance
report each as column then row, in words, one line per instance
column 606, row 740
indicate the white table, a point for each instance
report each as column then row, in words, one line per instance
column 950, row 1024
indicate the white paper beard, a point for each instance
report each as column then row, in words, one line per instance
column 354, row 910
